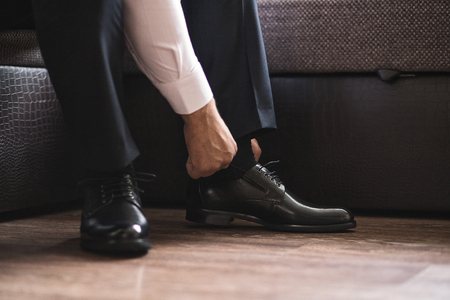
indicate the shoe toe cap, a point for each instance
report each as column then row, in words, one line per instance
column 343, row 215
column 134, row 231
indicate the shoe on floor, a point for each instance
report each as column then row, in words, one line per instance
column 260, row 197
column 112, row 217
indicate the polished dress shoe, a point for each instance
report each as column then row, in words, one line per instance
column 112, row 218
column 260, row 197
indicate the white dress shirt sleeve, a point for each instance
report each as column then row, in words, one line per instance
column 157, row 37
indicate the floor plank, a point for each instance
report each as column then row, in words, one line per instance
column 383, row 258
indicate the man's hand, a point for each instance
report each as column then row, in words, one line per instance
column 256, row 149
column 209, row 142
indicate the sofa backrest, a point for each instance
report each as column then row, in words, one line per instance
column 322, row 36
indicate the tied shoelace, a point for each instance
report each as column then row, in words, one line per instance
column 271, row 174
column 117, row 187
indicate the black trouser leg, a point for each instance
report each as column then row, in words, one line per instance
column 82, row 43
column 227, row 39
column 228, row 42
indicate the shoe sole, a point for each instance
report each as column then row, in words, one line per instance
column 115, row 246
column 220, row 218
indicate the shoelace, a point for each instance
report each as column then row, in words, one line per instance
column 118, row 187
column 272, row 174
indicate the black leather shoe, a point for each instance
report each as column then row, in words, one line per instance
column 260, row 197
column 112, row 218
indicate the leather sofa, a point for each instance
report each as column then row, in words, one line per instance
column 362, row 97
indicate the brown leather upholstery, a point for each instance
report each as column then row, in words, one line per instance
column 347, row 139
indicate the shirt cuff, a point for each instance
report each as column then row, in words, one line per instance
column 188, row 94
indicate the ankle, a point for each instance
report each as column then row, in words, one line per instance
column 241, row 164
column 89, row 173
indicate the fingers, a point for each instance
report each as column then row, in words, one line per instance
column 256, row 149
column 209, row 142
column 205, row 169
column 192, row 170
column 196, row 173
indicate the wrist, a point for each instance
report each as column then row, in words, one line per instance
column 201, row 115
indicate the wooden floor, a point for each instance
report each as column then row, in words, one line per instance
column 383, row 258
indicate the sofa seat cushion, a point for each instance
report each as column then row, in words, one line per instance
column 21, row 48
column 322, row 36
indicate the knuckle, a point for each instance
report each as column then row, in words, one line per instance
column 226, row 163
column 194, row 175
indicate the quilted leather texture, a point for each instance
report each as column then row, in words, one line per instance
column 35, row 152
column 312, row 36
column 20, row 48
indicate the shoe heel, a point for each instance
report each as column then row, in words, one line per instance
column 204, row 217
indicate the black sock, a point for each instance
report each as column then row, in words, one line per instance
column 242, row 162
column 244, row 159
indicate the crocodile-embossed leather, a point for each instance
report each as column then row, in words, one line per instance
column 36, row 157
column 351, row 141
